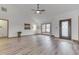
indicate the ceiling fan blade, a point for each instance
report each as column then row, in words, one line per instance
column 42, row 10
column 33, row 9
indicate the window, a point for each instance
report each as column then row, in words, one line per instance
column 45, row 28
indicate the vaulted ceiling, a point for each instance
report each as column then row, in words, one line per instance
column 51, row 10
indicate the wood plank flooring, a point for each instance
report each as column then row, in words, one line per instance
column 38, row 45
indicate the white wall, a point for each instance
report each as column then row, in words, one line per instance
column 17, row 18
column 18, row 15
column 74, row 18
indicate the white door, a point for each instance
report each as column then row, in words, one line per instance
column 3, row 28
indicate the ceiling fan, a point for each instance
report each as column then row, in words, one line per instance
column 38, row 10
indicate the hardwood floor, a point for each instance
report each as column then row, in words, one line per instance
column 38, row 45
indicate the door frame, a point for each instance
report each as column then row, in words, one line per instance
column 7, row 26
column 69, row 29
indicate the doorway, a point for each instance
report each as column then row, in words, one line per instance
column 4, row 28
column 65, row 29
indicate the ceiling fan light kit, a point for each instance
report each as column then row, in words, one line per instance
column 38, row 10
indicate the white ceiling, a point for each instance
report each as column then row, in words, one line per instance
column 51, row 9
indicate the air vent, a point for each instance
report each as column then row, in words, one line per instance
column 4, row 9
